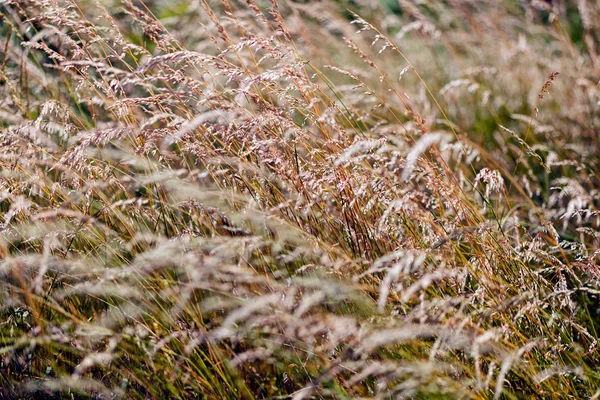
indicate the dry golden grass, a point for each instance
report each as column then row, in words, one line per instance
column 299, row 199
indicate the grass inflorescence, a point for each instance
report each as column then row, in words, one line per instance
column 263, row 199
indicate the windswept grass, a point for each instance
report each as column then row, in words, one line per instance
column 321, row 200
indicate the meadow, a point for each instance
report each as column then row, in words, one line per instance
column 334, row 199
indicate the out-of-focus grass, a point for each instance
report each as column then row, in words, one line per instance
column 299, row 199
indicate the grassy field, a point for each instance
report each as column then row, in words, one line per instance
column 327, row 199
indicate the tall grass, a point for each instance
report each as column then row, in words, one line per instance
column 327, row 199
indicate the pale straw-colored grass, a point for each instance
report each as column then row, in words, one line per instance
column 271, row 200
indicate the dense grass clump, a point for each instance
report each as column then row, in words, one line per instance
column 332, row 199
